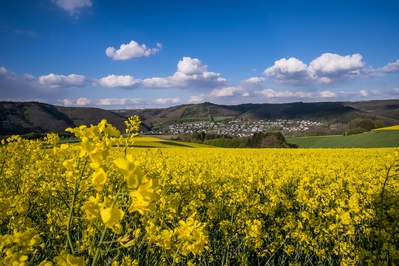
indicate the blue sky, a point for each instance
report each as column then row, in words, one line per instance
column 154, row 54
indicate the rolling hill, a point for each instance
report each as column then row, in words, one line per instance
column 330, row 112
column 372, row 139
column 26, row 117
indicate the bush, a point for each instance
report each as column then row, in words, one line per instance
column 379, row 123
column 271, row 142
column 357, row 130
column 367, row 124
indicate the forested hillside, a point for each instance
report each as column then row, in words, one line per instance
column 27, row 117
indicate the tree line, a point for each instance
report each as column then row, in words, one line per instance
column 257, row 140
column 359, row 125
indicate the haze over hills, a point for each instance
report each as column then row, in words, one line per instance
column 26, row 117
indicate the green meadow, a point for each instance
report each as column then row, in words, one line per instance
column 372, row 139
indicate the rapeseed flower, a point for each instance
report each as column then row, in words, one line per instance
column 131, row 171
column 111, row 216
column 99, row 178
column 93, row 201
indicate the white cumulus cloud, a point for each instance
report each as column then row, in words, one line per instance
column 255, row 80
column 270, row 93
column 112, row 101
column 327, row 68
column 196, row 99
column 391, row 67
column 72, row 6
column 131, row 50
column 123, row 81
column 167, row 100
column 3, row 70
column 83, row 101
column 157, row 82
column 368, row 93
column 291, row 71
column 6, row 73
column 68, row 102
column 191, row 66
column 330, row 67
column 118, row 101
column 228, row 91
column 135, row 100
column 190, row 74
column 56, row 81
column 285, row 96
column 327, row 94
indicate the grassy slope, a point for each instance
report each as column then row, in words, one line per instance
column 375, row 139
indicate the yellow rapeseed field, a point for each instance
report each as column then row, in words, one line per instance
column 395, row 128
column 105, row 202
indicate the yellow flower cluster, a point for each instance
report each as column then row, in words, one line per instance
column 188, row 237
column 66, row 204
column 279, row 206
column 98, row 202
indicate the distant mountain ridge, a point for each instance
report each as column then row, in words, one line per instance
column 26, row 117
column 332, row 112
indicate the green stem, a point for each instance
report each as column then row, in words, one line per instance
column 97, row 254
column 72, row 207
column 127, row 141
column 177, row 252
column 71, row 216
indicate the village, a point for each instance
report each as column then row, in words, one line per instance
column 240, row 128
